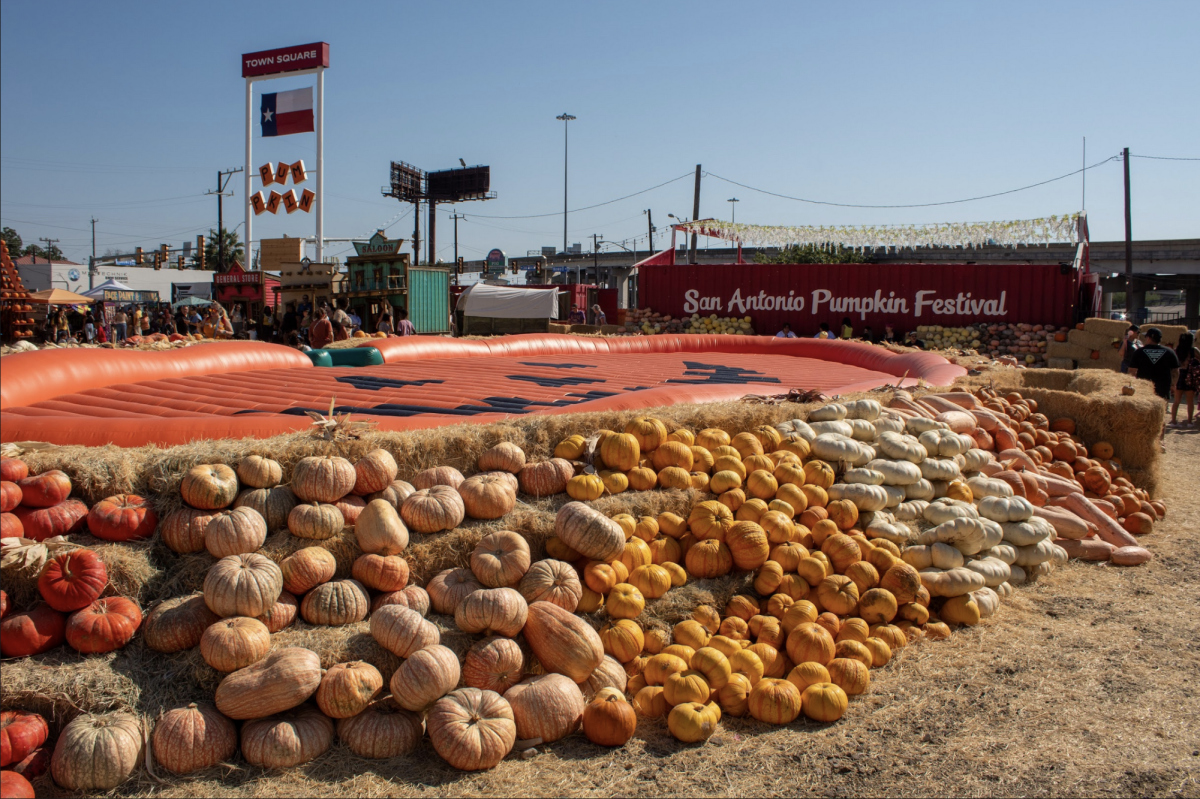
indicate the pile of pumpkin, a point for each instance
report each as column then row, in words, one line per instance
column 1026, row 342
column 645, row 321
column 22, row 755
column 39, row 507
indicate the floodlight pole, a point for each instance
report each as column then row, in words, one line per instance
column 566, row 120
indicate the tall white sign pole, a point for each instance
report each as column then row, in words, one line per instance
column 249, row 171
column 320, row 164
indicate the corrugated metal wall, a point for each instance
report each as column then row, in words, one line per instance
column 429, row 299
column 906, row 295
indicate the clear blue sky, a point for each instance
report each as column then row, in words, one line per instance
column 125, row 111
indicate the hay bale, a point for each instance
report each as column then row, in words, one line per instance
column 1111, row 328
column 1058, row 349
column 1171, row 333
column 587, row 330
column 1060, row 363
column 338, row 645
column 611, row 330
column 1092, row 341
column 560, row 329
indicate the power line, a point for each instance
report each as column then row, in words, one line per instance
column 1162, row 157
column 914, row 205
column 588, row 207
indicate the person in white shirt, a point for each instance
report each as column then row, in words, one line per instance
column 785, row 332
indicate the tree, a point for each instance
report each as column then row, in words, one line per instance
column 53, row 254
column 230, row 245
column 13, row 241
column 812, row 254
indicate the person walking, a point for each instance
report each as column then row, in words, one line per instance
column 1129, row 347
column 237, row 320
column 1189, row 377
column 385, row 324
column 62, row 328
column 405, row 327
column 120, row 321
column 89, row 328
column 321, row 331
column 1160, row 366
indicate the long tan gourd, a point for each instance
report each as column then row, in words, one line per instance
column 1065, row 523
column 1106, row 527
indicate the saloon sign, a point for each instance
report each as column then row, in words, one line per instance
column 904, row 295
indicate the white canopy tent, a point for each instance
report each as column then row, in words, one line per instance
column 508, row 302
column 97, row 293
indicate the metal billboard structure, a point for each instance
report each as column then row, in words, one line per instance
column 410, row 184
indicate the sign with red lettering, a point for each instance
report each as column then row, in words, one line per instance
column 285, row 59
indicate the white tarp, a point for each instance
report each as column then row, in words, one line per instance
column 108, row 285
column 508, row 302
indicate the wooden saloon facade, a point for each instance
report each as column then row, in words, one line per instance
column 380, row 279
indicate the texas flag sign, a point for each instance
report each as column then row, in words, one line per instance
column 285, row 113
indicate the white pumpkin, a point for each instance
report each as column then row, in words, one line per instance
column 1003, row 552
column 994, row 570
column 944, row 509
column 862, row 430
column 865, row 497
column 987, row 600
column 916, row 425
column 1060, row 555
column 951, row 582
column 911, row 510
column 1004, row 590
column 833, row 412
column 1005, row 509
column 835, row 448
column 797, row 426
column 882, row 526
column 1039, row 570
column 919, row 556
column 975, row 459
column 896, row 472
column 941, row 469
column 922, row 489
column 1028, row 532
column 863, row 475
column 945, row 443
column 993, row 533
column 839, row 427
column 866, row 409
column 888, row 424
column 968, row 536
column 900, row 447
column 988, row 487
column 1034, row 554
column 896, row 495
column 1019, row 576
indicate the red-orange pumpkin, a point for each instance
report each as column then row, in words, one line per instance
column 381, row 572
column 125, row 517
column 608, row 720
column 493, row 664
column 413, row 597
column 10, row 526
column 15, row 786
column 282, row 613
column 65, row 518
column 20, row 733
column 46, row 489
column 323, row 479
column 103, row 626
column 13, row 470
column 347, row 689
column 191, row 738
column 374, row 472
column 31, row 632
column 549, row 706
column 471, row 729
column 563, row 642
column 72, row 580
column 10, row 495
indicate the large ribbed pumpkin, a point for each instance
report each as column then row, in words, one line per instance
column 549, row 706
column 287, row 739
column 414, row 596
column 708, row 559
column 504, row 457
column 235, row 643
column 347, row 689
column 381, row 572
column 493, row 664
column 274, row 504
column 103, row 626
column 748, row 545
column 563, row 642
column 350, row 507
column 209, row 486
column 315, row 521
column 432, row 510
column 282, row 613
column 32, row 632
column 45, row 490
column 437, row 476
column 191, row 738
column 809, row 642
column 500, row 559
column 470, row 729
column 259, row 472
column 280, row 681
column 492, row 611
column 650, row 433
column 620, row 452
column 394, row 494
column 323, row 478
column 379, row 529
column 425, row 677
column 183, row 530
column 242, row 585
column 552, row 581
column 488, row 496
column 546, row 478
column 336, row 603
column 97, row 753
column 125, row 517
column 450, row 587
column 774, row 701
column 65, row 518
column 307, row 568
column 177, row 624
column 375, row 471
column 21, row 733
column 72, row 580
column 402, row 630
column 235, row 532
column 383, row 730
column 589, row 532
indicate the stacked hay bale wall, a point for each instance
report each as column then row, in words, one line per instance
column 1097, row 345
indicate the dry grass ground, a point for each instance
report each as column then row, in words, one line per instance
column 1083, row 684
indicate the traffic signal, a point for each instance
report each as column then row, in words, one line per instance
column 541, row 268
column 200, row 251
column 137, row 256
column 158, row 259
column 460, row 264
column 514, row 267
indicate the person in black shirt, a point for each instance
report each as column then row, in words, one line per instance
column 1159, row 365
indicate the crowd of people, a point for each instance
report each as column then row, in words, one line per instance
column 1175, row 373
column 847, row 334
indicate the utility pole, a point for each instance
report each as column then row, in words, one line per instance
column 431, row 233
column 1128, row 246
column 416, row 245
column 49, row 248
column 650, row 225
column 695, row 214
column 456, row 216
column 222, row 181
column 92, row 264
column 596, row 255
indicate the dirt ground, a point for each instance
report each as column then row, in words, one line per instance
column 1084, row 684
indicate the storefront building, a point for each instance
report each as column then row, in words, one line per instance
column 379, row 279
column 250, row 290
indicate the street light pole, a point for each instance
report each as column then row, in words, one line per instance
column 733, row 210
column 565, row 118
